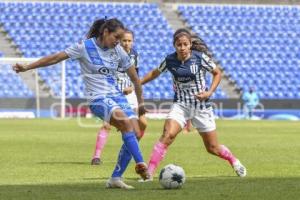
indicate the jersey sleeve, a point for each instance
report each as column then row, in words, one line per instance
column 75, row 51
column 125, row 61
column 207, row 62
column 162, row 67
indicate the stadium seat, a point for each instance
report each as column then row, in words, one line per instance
column 255, row 45
column 50, row 27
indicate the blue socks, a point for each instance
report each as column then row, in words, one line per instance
column 123, row 161
column 129, row 148
column 132, row 145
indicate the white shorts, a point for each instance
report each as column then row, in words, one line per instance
column 202, row 120
column 132, row 100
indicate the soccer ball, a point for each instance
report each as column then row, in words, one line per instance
column 172, row 177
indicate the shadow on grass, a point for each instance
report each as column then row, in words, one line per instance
column 192, row 177
column 194, row 188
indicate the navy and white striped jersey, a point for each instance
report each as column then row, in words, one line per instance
column 123, row 79
column 189, row 77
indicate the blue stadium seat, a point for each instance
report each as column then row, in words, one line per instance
column 255, row 45
column 60, row 22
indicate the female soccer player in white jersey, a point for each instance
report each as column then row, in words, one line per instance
column 188, row 66
column 124, row 85
column 100, row 56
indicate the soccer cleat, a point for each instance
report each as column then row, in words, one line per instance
column 96, row 161
column 150, row 179
column 117, row 183
column 142, row 170
column 239, row 169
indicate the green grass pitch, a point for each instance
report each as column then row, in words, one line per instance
column 50, row 159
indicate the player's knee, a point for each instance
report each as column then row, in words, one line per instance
column 143, row 128
column 142, row 124
column 212, row 149
column 139, row 135
column 168, row 138
column 125, row 125
column 138, row 132
column 106, row 127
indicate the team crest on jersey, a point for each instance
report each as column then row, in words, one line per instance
column 194, row 68
column 132, row 59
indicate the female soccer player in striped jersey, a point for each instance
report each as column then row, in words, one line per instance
column 100, row 56
column 124, row 85
column 188, row 66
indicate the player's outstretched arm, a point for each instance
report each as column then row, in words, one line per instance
column 150, row 76
column 43, row 62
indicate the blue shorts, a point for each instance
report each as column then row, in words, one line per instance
column 104, row 107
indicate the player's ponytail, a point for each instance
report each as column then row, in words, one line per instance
column 95, row 28
column 199, row 45
column 100, row 25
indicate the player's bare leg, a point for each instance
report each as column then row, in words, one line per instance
column 212, row 146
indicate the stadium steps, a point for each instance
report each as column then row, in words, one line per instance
column 170, row 13
column 228, row 87
column 29, row 79
column 7, row 46
column 10, row 49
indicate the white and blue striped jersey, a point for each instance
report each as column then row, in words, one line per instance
column 189, row 77
column 123, row 79
column 99, row 67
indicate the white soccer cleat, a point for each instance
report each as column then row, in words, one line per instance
column 239, row 169
column 117, row 183
column 150, row 179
